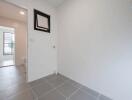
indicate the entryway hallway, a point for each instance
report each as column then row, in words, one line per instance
column 13, row 86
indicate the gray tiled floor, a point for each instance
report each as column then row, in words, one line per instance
column 53, row 87
column 63, row 88
column 80, row 95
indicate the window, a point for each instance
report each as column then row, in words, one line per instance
column 8, row 43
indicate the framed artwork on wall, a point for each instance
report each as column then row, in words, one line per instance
column 41, row 21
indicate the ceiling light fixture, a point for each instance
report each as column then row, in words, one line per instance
column 22, row 12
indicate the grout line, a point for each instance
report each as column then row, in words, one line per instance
column 48, row 92
column 82, row 90
column 65, row 81
column 53, row 85
column 35, row 94
column 73, row 93
column 58, row 90
column 40, row 82
column 51, row 89
column 46, row 80
column 55, row 88
column 61, row 94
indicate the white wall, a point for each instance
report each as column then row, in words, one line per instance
column 95, row 45
column 4, row 57
column 42, row 57
column 20, row 38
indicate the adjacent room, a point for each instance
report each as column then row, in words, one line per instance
column 66, row 49
column 13, row 48
column 7, row 46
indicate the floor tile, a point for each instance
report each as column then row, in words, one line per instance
column 26, row 95
column 37, row 82
column 41, row 89
column 51, row 77
column 80, row 95
column 54, row 95
column 89, row 91
column 63, row 77
column 67, row 89
column 56, row 82
column 74, row 83
column 104, row 98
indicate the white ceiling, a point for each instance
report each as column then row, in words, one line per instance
column 12, row 12
column 55, row 3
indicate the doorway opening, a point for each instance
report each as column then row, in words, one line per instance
column 13, row 41
column 7, row 46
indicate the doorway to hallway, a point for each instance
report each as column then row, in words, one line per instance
column 7, row 46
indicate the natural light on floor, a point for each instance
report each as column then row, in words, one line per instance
column 8, row 63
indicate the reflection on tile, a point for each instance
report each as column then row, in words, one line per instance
column 12, row 81
column 25, row 95
column 14, row 90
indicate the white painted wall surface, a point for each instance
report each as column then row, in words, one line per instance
column 42, row 57
column 20, row 37
column 95, row 45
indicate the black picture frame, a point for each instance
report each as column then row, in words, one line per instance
column 39, row 18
